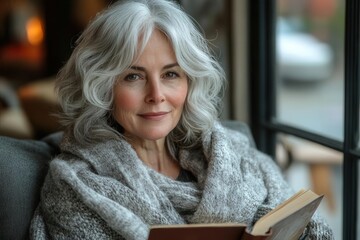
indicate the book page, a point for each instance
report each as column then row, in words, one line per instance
column 289, row 207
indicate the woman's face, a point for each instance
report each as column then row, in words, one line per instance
column 149, row 97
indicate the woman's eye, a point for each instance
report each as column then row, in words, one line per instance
column 132, row 77
column 171, row 75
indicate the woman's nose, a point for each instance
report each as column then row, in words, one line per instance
column 155, row 92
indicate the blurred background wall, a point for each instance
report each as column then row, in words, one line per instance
column 38, row 36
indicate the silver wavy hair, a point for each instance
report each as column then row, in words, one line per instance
column 108, row 46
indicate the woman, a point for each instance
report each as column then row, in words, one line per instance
column 140, row 98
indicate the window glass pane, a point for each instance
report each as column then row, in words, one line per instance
column 312, row 166
column 309, row 56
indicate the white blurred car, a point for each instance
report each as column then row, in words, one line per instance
column 300, row 56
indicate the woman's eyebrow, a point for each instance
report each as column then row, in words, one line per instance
column 171, row 65
column 138, row 68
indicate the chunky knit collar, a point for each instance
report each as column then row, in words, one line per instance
column 235, row 183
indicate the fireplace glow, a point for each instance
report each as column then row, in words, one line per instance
column 34, row 31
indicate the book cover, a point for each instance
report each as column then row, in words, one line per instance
column 197, row 232
column 287, row 221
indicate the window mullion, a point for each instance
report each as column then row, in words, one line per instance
column 261, row 72
column 350, row 167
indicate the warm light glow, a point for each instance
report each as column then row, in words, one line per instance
column 34, row 30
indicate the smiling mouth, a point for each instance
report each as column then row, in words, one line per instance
column 154, row 115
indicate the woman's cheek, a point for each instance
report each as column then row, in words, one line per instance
column 126, row 100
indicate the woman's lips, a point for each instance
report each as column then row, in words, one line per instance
column 154, row 115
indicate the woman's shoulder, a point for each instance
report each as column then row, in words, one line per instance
column 236, row 132
column 70, row 176
column 241, row 141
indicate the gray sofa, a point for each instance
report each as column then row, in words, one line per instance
column 23, row 166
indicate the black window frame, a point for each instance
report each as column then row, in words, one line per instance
column 262, row 15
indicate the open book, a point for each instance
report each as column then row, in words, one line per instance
column 286, row 221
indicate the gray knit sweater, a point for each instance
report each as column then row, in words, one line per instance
column 104, row 191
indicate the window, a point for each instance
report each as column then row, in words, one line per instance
column 304, row 71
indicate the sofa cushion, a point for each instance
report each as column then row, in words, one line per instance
column 23, row 166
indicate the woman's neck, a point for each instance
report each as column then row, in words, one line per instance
column 155, row 155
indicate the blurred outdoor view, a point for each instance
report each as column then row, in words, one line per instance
column 310, row 96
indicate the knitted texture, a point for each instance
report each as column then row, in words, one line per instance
column 105, row 191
